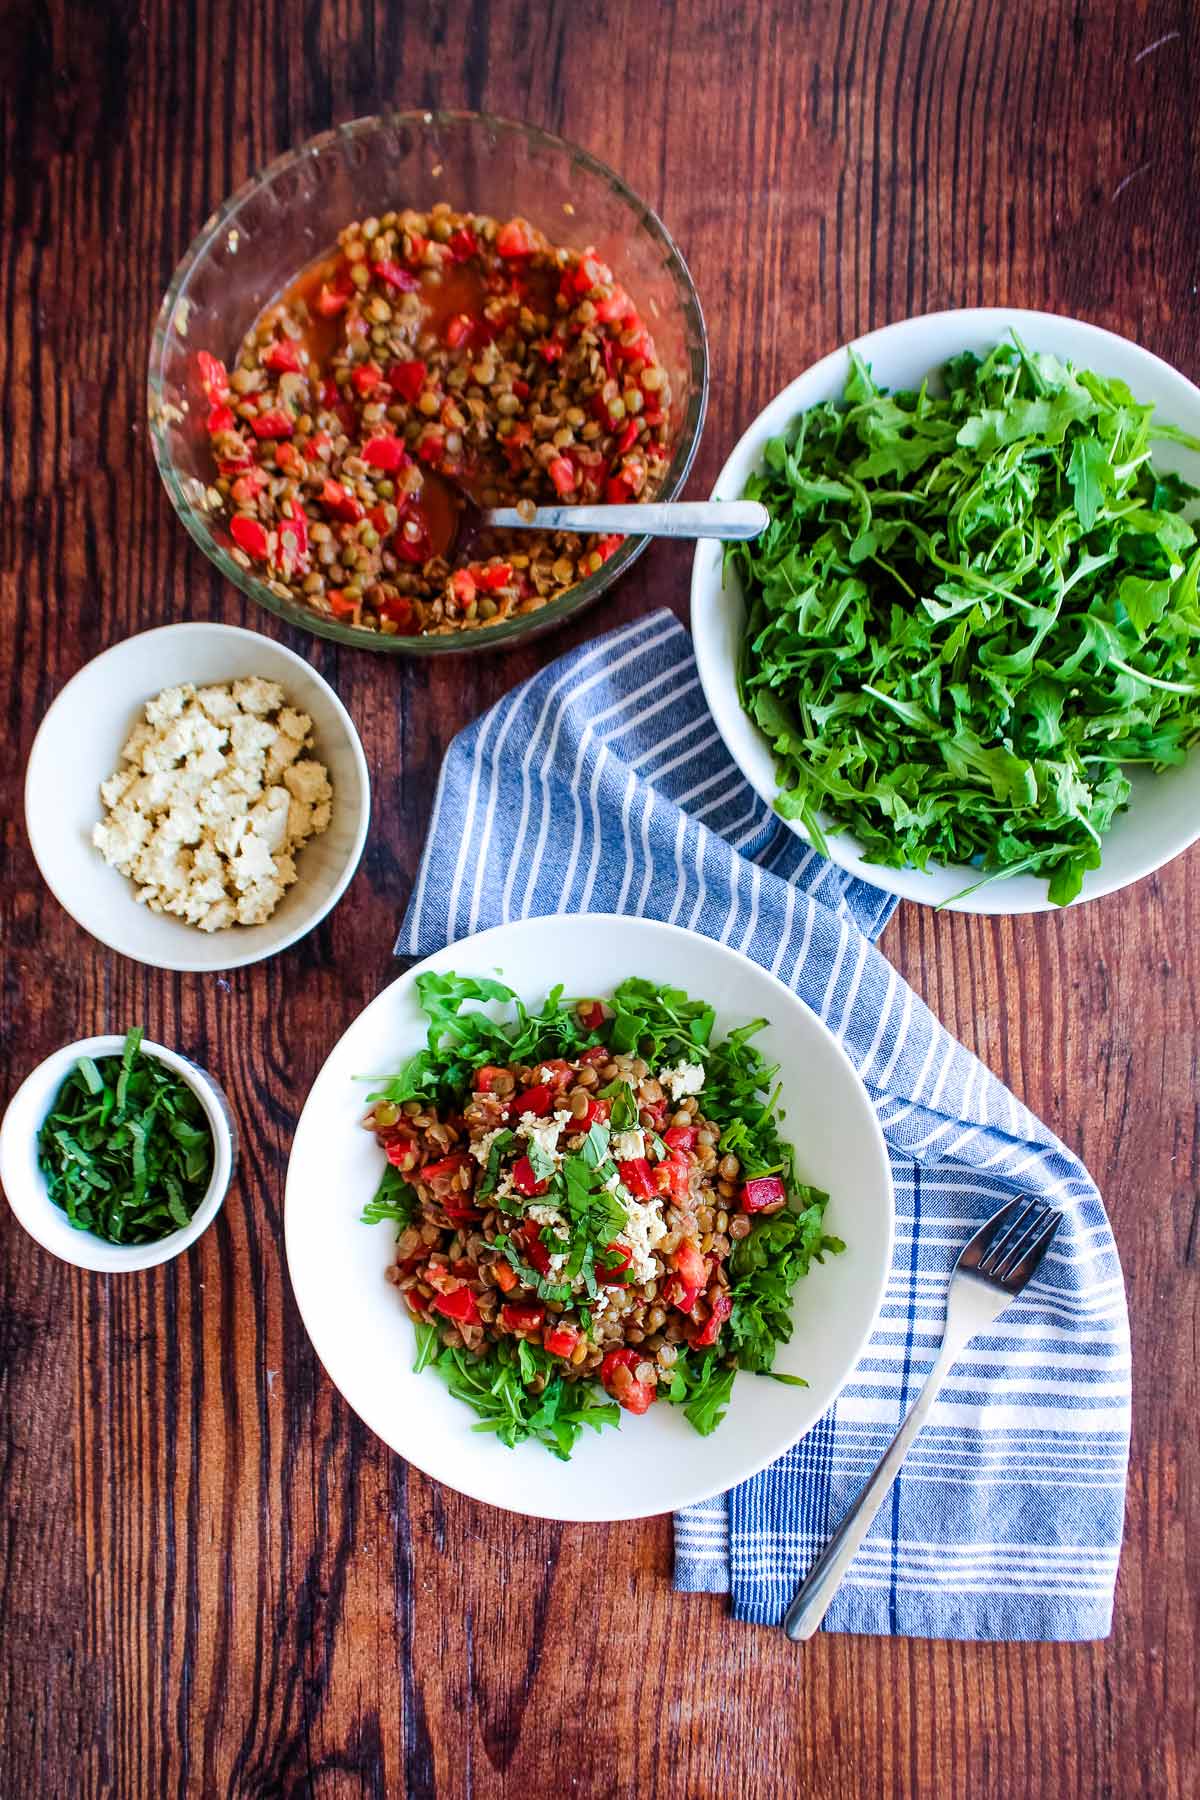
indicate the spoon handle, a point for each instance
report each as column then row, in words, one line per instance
column 669, row 519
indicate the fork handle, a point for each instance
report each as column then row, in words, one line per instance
column 817, row 1589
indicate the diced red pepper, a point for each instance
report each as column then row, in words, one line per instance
column 521, row 389
column 495, row 575
column 234, row 460
column 320, row 444
column 342, row 605
column 289, row 457
column 506, row 1276
column 247, row 487
column 293, row 539
column 398, row 608
column 419, row 246
column 412, row 542
column 365, row 377
column 597, row 1112
column 330, row 392
column 560, row 1340
column 614, row 307
column 407, row 379
column 513, row 240
column 460, row 1305
column 214, row 377
column 273, row 424
column 341, row 502
column 674, row 1176
column 220, row 418
column 628, row 437
column 638, row 1177
column 605, row 546
column 522, row 1316
column 332, row 300
column 614, row 1274
column 445, row 1167
column 536, row 1252
column 689, row 1265
column 458, row 330
column 562, row 474
column 762, row 1192
column 386, row 453
column 283, row 356
column 634, row 1395
column 608, row 355
column 681, row 1137
column 653, row 415
column 458, row 1208
column 526, row 1182
column 710, row 1331
column 398, row 1148
column 250, row 535
column 461, row 244
column 676, row 1292
column 395, row 276
column 431, row 446
column 550, row 348
column 462, row 585
column 417, row 1303
column 617, row 491
column 592, row 1017
column 538, row 1100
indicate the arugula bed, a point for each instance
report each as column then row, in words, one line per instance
column 972, row 612
column 595, row 1207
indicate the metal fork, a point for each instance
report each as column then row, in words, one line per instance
column 992, row 1269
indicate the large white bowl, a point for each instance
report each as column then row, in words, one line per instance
column 25, row 1184
column 1164, row 810
column 79, row 744
column 361, row 1329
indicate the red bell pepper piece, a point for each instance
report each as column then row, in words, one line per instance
column 214, row 377
column 417, row 1303
column 273, row 424
column 597, row 1113
column 293, row 539
column 250, row 535
column 458, row 330
column 365, row 377
column 674, row 1176
column 398, row 1148
column 462, row 583
column 513, row 240
column 283, row 356
column 341, row 502
column 536, row 1253
column 220, row 418
column 537, row 1100
column 605, row 546
column 431, row 446
column 550, row 348
column 710, row 1331
column 562, row 474
column 560, row 1340
column 681, row 1137
column 638, row 1177
column 763, row 1192
column 385, row 453
column 613, row 1275
column 689, row 1265
column 506, row 1276
column 247, row 487
column 618, row 1378
column 412, row 542
column 332, row 300
column 677, row 1293
column 399, row 609
column 395, row 276
column 460, row 1305
column 485, row 1078
column 495, row 575
column 407, row 379
column 522, row 1316
column 628, row 437
column 445, row 1167
column 592, row 1016
column 341, row 605
column 614, row 307
column 461, row 244
column 618, row 491
column 527, row 1183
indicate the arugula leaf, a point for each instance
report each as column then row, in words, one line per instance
column 702, row 1385
column 971, row 611
column 495, row 1385
column 394, row 1198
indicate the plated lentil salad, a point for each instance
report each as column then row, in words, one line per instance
column 596, row 1209
column 433, row 353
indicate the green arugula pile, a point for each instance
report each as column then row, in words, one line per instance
column 663, row 1026
column 126, row 1149
column 970, row 612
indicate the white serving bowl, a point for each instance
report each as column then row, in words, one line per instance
column 361, row 1328
column 25, row 1185
column 1163, row 817
column 78, row 746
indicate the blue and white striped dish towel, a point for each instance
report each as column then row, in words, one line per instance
column 601, row 785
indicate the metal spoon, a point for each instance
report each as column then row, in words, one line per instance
column 669, row 519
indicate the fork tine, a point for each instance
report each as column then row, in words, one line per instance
column 986, row 1236
column 1006, row 1255
column 1011, row 1226
column 1023, row 1273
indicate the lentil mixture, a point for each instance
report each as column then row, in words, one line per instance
column 582, row 1217
column 434, row 354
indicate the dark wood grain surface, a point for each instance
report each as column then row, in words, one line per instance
column 213, row 1580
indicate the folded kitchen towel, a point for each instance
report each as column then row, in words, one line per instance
column 601, row 785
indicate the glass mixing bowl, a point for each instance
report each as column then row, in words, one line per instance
column 282, row 219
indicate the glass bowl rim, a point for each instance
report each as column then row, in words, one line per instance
column 523, row 625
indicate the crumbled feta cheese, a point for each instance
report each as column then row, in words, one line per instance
column 644, row 1227
column 481, row 1149
column 545, row 1133
column 199, row 817
column 685, row 1078
column 627, row 1146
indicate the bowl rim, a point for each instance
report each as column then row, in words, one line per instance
column 29, row 1200
column 486, row 948
column 178, row 963
column 526, row 625
column 706, row 589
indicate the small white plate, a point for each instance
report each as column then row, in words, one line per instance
column 1163, row 817
column 78, row 746
column 25, row 1185
column 361, row 1329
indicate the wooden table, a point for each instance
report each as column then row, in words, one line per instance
column 213, row 1580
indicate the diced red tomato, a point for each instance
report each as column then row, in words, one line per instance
column 710, row 1331
column 458, row 330
column 536, row 1252
column 412, row 542
column 762, row 1192
column 592, row 1016
column 614, row 307
column 293, row 539
column 365, row 377
column 638, row 1177
column 407, row 379
column 457, row 1207
column 419, row 246
column 250, row 535
column 560, row 1340
column 676, row 1292
column 634, row 1395
column 527, row 1183
column 495, row 575
column 674, row 1176
column 247, row 487
column 485, row 1078
column 214, row 377
column 614, row 1274
column 341, row 605
column 283, row 356
column 220, row 418
column 445, row 1167
column 562, row 474
column 689, row 1265
column 522, row 1316
column 605, row 546
column 597, row 1113
column 537, row 1100
column 506, row 1276
column 398, row 608
column 597, row 1054
column 618, row 491
column 273, row 424
column 460, row 1305
column 628, row 437
column 332, row 299
column 398, row 1148
column 461, row 244
column 341, row 502
column 431, row 446
column 513, row 240
column 395, row 276
column 386, row 453
column 417, row 1303
column 681, row 1137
